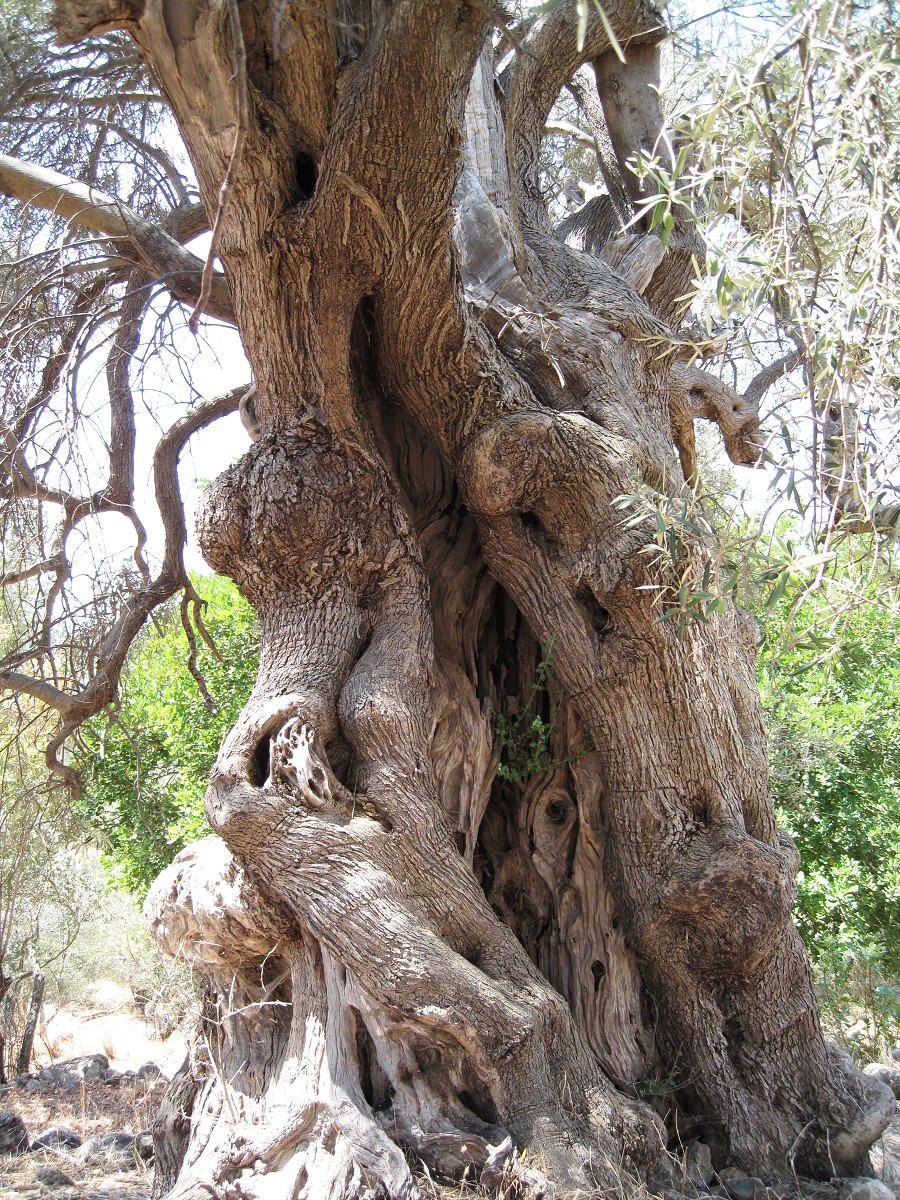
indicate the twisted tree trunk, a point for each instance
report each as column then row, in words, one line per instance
column 406, row 953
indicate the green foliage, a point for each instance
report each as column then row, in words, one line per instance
column 704, row 555
column 146, row 768
column 859, row 1001
column 525, row 739
column 832, row 693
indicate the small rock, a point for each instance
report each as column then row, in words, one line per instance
column 52, row 1177
column 895, row 1054
column 52, row 1077
column 115, row 1149
column 149, row 1071
column 665, row 1176
column 143, row 1145
column 747, row 1188
column 888, row 1075
column 57, row 1138
column 92, row 1066
column 731, row 1173
column 865, row 1189
column 13, row 1134
column 115, row 1143
column 112, row 1076
column 698, row 1164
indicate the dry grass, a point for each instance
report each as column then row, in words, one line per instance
column 91, row 1110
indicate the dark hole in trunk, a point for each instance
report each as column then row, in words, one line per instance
column 307, row 173
column 557, row 812
column 376, row 1086
column 261, row 762
column 598, row 971
column 599, row 618
column 477, row 1099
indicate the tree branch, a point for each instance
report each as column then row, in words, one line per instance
column 39, row 568
column 761, row 382
column 165, row 470
column 694, row 393
column 53, row 697
column 100, row 690
column 583, row 86
column 549, row 57
column 91, row 209
column 120, row 484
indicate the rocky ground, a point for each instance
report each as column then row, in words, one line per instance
column 79, row 1130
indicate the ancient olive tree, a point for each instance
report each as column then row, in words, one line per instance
column 410, row 955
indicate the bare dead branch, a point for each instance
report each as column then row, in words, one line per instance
column 53, row 697
column 567, row 129
column 91, row 209
column 100, row 689
column 165, row 470
column 40, row 568
column 120, row 482
column 188, row 602
column 79, row 315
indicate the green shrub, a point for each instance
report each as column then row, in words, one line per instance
column 834, row 717
column 146, row 768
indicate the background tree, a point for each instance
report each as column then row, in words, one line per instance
column 450, row 401
column 42, row 907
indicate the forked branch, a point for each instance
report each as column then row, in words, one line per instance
column 140, row 241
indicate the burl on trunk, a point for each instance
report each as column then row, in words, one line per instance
column 408, row 958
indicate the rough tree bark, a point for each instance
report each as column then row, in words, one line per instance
column 405, row 955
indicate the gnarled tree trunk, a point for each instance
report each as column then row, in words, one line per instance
column 409, row 955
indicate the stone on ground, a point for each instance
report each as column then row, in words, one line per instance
column 13, row 1134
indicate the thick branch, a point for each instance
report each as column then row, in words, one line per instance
column 91, row 209
column 165, row 469
column 695, row 394
column 547, row 61
column 53, row 697
column 39, row 568
column 120, row 485
column 583, row 87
